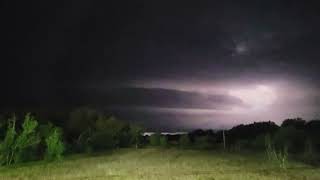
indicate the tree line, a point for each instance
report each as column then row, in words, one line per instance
column 26, row 138
column 295, row 138
column 86, row 130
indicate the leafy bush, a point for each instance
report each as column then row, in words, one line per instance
column 80, row 120
column 259, row 142
column 20, row 147
column 309, row 155
column 184, row 141
column 164, row 141
column 45, row 130
column 202, row 142
column 103, row 140
column 125, row 139
column 55, row 146
column 312, row 129
column 106, row 133
column 155, row 139
column 136, row 137
column 291, row 138
column 82, row 143
column 27, row 139
column 6, row 147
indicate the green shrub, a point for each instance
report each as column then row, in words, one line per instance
column 6, row 146
column 125, row 139
column 20, row 147
column 184, row 141
column 45, row 130
column 103, row 140
column 309, row 155
column 136, row 137
column 82, row 143
column 259, row 142
column 291, row 138
column 202, row 142
column 155, row 139
column 27, row 140
column 164, row 141
column 55, row 146
column 107, row 133
column 80, row 120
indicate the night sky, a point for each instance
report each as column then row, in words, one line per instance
column 166, row 64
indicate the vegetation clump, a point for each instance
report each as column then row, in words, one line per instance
column 18, row 147
column 184, row 141
column 155, row 139
column 55, row 146
column 164, row 141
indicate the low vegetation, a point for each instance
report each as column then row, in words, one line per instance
column 261, row 150
column 162, row 164
column 55, row 146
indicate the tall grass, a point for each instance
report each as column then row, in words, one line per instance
column 279, row 157
column 160, row 164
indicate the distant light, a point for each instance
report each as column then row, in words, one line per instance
column 164, row 133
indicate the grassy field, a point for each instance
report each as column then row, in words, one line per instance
column 164, row 164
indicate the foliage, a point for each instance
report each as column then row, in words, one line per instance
column 241, row 144
column 312, row 128
column 20, row 147
column 291, row 138
column 309, row 155
column 184, row 141
column 202, row 142
column 250, row 131
column 106, row 133
column 45, row 130
column 164, row 141
column 159, row 164
column 83, row 142
column 259, row 142
column 6, row 147
column 297, row 123
column 3, row 125
column 136, row 137
column 155, row 139
column 125, row 138
column 27, row 140
column 55, row 146
column 80, row 120
column 103, row 140
column 277, row 157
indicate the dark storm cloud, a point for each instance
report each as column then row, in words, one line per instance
column 60, row 52
column 73, row 43
column 168, row 98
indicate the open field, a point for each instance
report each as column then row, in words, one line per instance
column 164, row 164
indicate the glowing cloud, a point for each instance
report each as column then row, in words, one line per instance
column 257, row 98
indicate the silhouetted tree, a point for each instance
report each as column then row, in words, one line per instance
column 290, row 137
column 80, row 120
column 297, row 123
